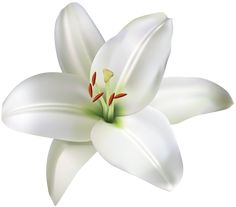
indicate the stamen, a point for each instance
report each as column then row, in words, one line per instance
column 97, row 96
column 104, row 95
column 120, row 95
column 90, row 90
column 111, row 99
column 94, row 78
column 107, row 74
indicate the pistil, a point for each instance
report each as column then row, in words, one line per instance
column 107, row 102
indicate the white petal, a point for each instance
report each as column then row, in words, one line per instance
column 64, row 161
column 51, row 105
column 144, row 146
column 137, row 56
column 77, row 40
column 182, row 98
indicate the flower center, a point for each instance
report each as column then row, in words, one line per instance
column 106, row 98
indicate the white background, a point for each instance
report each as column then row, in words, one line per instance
column 204, row 45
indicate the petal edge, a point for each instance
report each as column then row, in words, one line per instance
column 50, row 105
column 144, row 147
column 137, row 56
column 181, row 98
column 64, row 160
column 77, row 40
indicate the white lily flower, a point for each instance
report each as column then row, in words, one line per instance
column 106, row 100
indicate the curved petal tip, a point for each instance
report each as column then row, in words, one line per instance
column 64, row 160
column 144, row 147
column 180, row 98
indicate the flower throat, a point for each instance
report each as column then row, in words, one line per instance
column 106, row 98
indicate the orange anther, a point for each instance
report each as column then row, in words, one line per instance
column 120, row 95
column 98, row 96
column 111, row 99
column 94, row 78
column 90, row 90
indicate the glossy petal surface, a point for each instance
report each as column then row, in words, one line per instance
column 64, row 161
column 144, row 146
column 181, row 98
column 137, row 56
column 50, row 105
column 77, row 40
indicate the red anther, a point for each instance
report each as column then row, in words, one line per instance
column 94, row 78
column 90, row 90
column 120, row 95
column 111, row 99
column 97, row 96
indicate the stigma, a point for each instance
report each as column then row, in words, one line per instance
column 106, row 98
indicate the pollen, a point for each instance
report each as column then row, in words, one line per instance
column 94, row 78
column 120, row 95
column 98, row 96
column 90, row 90
column 111, row 99
column 104, row 95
